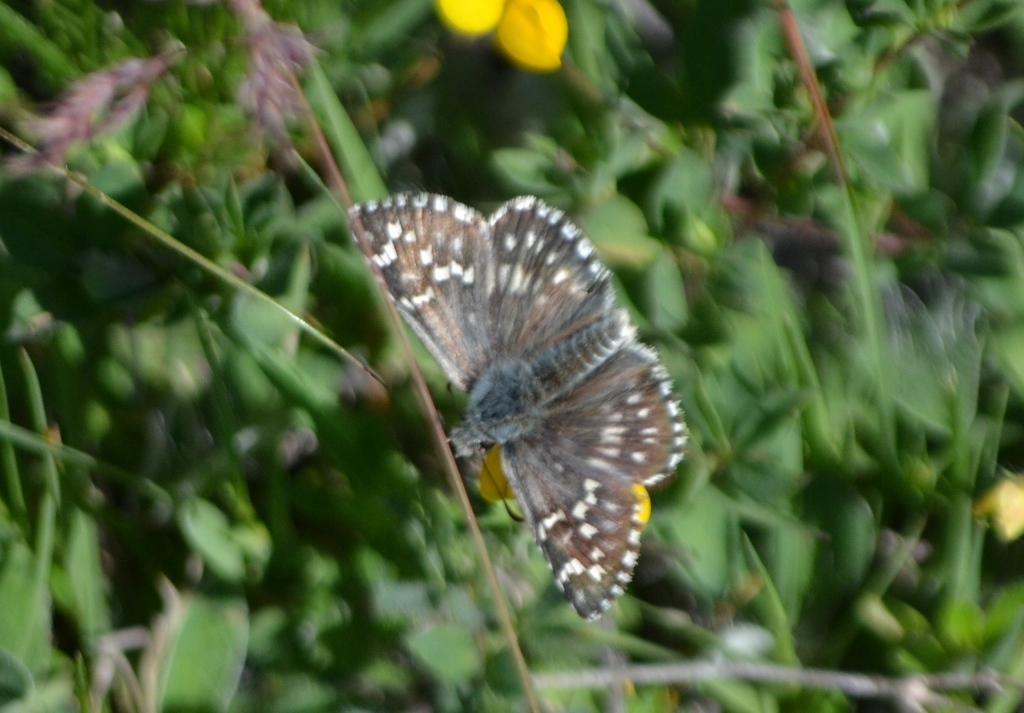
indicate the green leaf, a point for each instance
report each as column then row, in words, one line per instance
column 202, row 663
column 891, row 140
column 619, row 231
column 208, row 531
column 664, row 302
column 25, row 614
column 704, row 529
column 448, row 651
column 391, row 25
column 15, row 678
column 86, row 577
column 528, row 169
column 988, row 140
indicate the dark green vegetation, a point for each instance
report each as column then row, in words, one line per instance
column 206, row 508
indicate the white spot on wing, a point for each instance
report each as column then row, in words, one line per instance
column 422, row 299
column 387, row 255
column 552, row 519
column 518, row 284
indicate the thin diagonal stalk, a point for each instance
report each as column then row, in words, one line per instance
column 452, row 469
column 856, row 236
column 339, row 186
column 34, row 443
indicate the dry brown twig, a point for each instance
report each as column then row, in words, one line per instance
column 914, row 692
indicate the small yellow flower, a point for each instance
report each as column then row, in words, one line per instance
column 643, row 501
column 1005, row 503
column 493, row 485
column 531, row 33
column 470, row 17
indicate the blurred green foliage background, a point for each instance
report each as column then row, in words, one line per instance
column 202, row 508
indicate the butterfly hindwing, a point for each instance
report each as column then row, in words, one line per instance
column 586, row 523
column 622, row 418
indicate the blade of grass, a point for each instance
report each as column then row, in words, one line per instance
column 773, row 611
column 234, row 486
column 19, row 35
column 32, row 442
column 49, row 503
column 9, row 465
column 346, row 145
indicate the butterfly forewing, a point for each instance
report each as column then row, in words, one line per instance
column 434, row 254
column 548, row 279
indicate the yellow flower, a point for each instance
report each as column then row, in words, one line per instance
column 1005, row 503
column 470, row 17
column 531, row 33
column 493, row 485
column 643, row 500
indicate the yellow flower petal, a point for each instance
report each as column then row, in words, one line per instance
column 493, row 486
column 643, row 503
column 1005, row 503
column 532, row 33
column 469, row 17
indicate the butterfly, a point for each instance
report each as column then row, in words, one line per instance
column 519, row 312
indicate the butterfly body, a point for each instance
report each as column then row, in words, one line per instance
column 504, row 404
column 518, row 310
